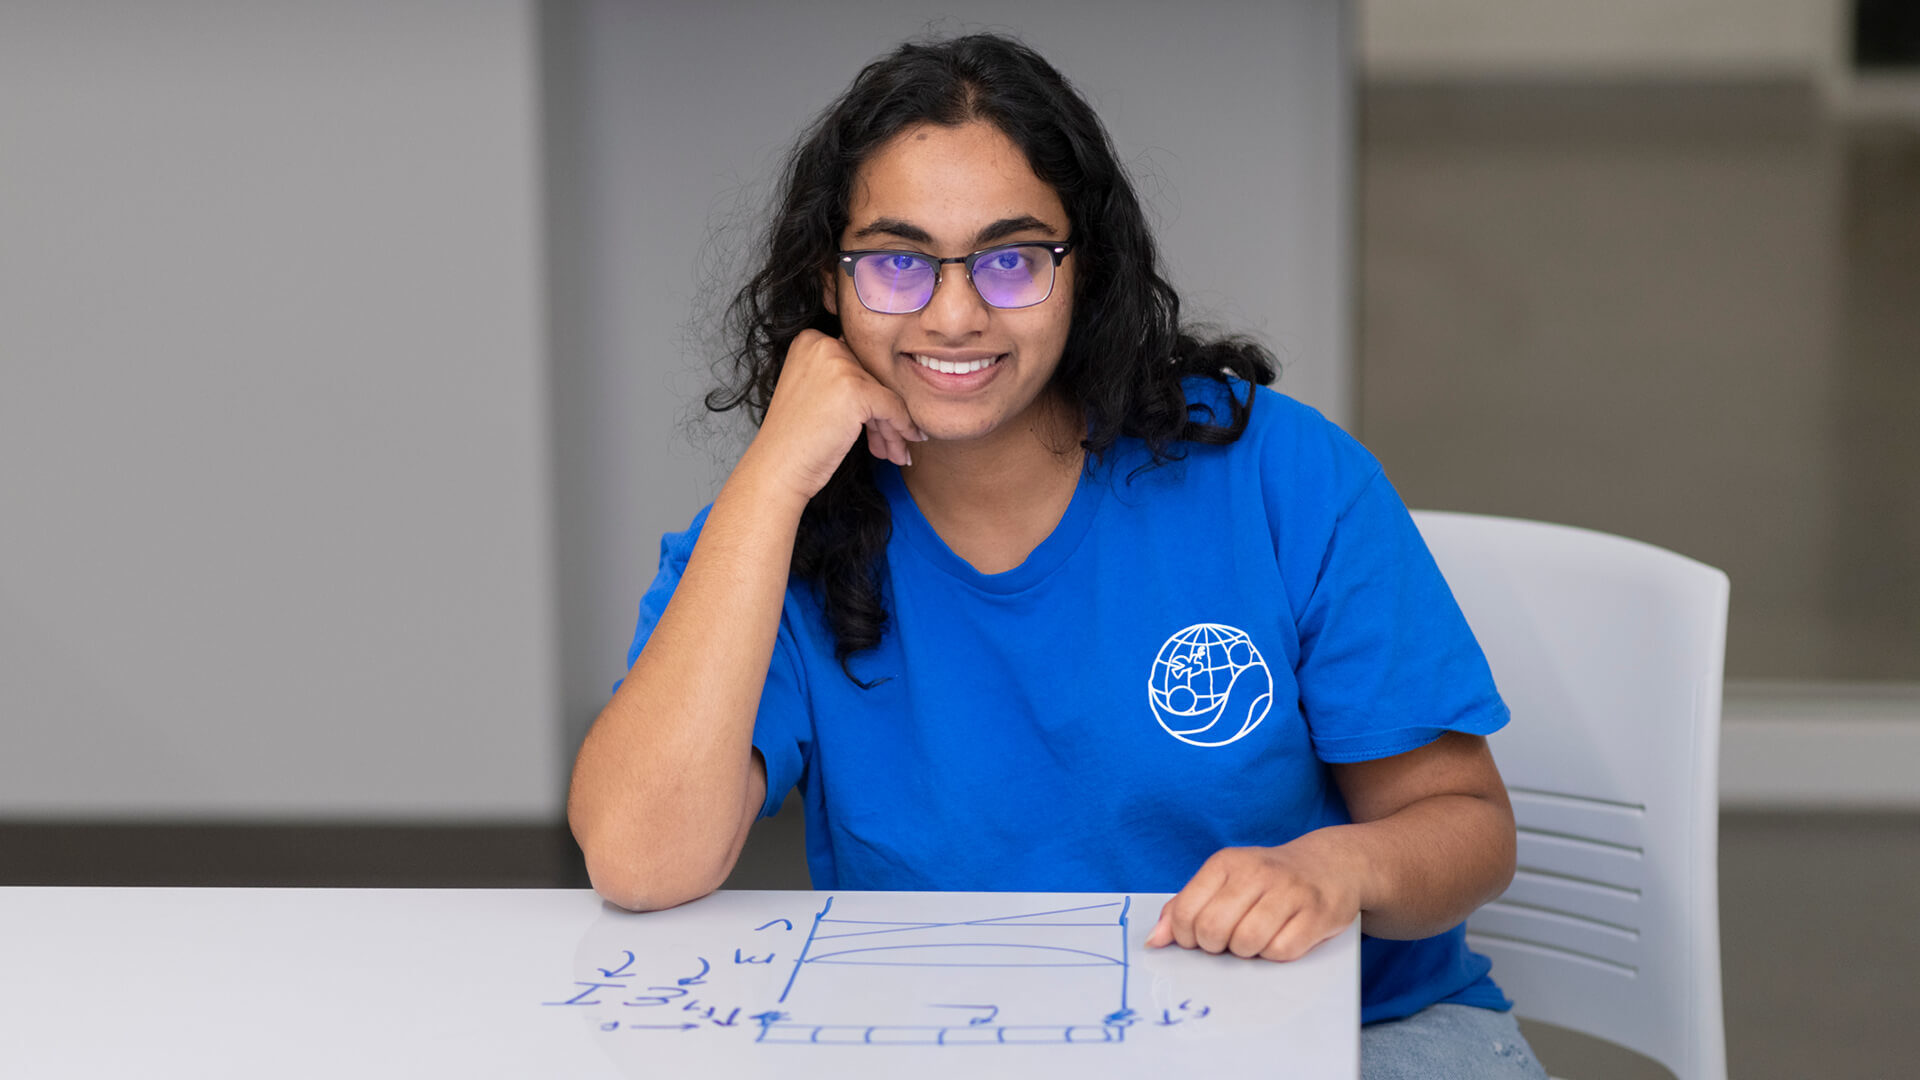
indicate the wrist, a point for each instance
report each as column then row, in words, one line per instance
column 757, row 482
column 1343, row 854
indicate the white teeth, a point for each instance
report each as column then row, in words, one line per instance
column 946, row 368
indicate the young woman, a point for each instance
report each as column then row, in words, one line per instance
column 1027, row 589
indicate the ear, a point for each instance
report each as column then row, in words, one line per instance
column 830, row 291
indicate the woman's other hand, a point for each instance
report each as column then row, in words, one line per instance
column 1277, row 902
column 1432, row 839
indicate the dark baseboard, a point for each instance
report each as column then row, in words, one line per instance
column 331, row 855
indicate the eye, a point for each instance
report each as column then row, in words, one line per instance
column 1010, row 259
column 901, row 263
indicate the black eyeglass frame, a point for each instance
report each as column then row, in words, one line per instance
column 1058, row 249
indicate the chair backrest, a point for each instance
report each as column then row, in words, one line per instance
column 1610, row 654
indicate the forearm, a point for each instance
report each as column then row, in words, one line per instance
column 660, row 788
column 1424, row 868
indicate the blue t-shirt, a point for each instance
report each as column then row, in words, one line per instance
column 1166, row 675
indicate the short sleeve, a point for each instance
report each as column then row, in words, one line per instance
column 1387, row 662
column 782, row 729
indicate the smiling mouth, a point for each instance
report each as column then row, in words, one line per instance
column 948, row 367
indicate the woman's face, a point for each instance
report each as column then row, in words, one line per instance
column 948, row 191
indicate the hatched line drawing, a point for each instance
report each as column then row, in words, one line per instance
column 1067, row 959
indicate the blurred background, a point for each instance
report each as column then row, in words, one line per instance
column 350, row 357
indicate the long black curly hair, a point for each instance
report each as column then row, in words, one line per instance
column 1126, row 352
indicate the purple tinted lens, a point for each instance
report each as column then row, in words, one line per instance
column 894, row 283
column 1014, row 277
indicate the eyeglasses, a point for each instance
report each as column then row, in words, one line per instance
column 902, row 282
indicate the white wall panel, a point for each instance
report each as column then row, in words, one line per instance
column 274, row 478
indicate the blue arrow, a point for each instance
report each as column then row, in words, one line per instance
column 992, row 1011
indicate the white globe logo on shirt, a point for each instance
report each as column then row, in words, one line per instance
column 1209, row 685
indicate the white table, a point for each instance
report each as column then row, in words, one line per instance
column 98, row 982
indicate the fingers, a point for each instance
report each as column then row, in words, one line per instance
column 1161, row 935
column 1250, row 902
column 824, row 402
column 1300, row 936
column 1261, row 925
column 1214, row 925
column 880, row 446
column 885, row 407
column 897, row 439
column 1176, row 918
column 888, row 410
column 884, row 441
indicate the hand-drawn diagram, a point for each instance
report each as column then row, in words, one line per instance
column 758, row 985
column 928, row 976
column 953, row 977
column 779, row 986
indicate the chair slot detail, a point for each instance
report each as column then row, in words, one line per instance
column 1544, row 796
column 1606, row 904
column 1600, row 821
column 1493, row 944
column 1633, row 849
column 1619, row 868
column 1571, row 919
column 1583, row 936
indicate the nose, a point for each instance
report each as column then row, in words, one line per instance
column 956, row 309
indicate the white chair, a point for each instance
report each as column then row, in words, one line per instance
column 1609, row 652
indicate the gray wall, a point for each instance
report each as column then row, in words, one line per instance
column 275, row 512
column 666, row 119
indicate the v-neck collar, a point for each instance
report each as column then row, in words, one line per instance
column 913, row 527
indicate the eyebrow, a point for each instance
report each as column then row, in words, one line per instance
column 914, row 234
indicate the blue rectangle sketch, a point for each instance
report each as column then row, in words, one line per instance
column 1056, row 976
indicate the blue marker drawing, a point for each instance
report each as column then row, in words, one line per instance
column 864, row 976
column 619, row 972
column 590, row 988
column 1168, row 1019
column 666, row 994
column 1070, row 959
column 803, row 951
column 992, row 1011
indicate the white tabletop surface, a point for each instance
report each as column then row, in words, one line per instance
column 109, row 982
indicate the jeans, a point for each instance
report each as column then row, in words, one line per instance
column 1448, row 1042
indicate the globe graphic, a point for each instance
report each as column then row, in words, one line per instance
column 1209, row 685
